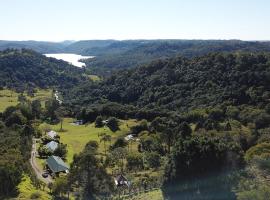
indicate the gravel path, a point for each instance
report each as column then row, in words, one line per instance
column 35, row 167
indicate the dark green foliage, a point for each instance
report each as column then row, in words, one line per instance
column 199, row 157
column 185, row 130
column 180, row 84
column 126, row 54
column 113, row 124
column 262, row 121
column 61, row 151
column 143, row 126
column 87, row 171
column 98, row 122
column 26, row 69
column 153, row 159
column 15, row 150
column 120, row 142
column 134, row 161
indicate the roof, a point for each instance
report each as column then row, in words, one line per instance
column 129, row 137
column 52, row 134
column 56, row 164
column 52, row 146
column 120, row 180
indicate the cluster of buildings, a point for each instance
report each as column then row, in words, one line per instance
column 55, row 164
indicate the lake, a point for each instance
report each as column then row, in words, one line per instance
column 73, row 59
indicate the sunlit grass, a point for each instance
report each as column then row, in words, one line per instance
column 10, row 98
column 76, row 137
column 26, row 189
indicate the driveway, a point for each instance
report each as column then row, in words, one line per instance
column 35, row 167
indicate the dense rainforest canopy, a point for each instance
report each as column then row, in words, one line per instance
column 181, row 84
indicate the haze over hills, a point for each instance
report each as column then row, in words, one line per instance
column 114, row 54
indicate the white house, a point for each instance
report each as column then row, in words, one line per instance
column 52, row 134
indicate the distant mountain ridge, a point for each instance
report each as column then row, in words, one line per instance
column 115, row 54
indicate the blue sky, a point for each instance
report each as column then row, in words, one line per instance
column 58, row 20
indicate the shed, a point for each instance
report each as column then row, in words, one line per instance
column 52, row 134
column 56, row 164
column 120, row 180
column 52, row 146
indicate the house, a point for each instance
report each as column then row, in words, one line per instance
column 129, row 137
column 52, row 146
column 78, row 122
column 120, row 180
column 105, row 122
column 56, row 165
column 52, row 134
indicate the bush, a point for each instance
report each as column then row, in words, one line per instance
column 35, row 195
column 153, row 159
column 98, row 122
column 113, row 124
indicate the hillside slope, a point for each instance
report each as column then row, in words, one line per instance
column 21, row 69
column 179, row 84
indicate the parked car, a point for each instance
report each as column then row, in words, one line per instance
column 45, row 174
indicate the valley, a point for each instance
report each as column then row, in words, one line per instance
column 166, row 131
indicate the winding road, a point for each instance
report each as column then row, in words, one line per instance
column 35, row 167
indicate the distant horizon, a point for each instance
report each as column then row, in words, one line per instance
column 128, row 20
column 136, row 39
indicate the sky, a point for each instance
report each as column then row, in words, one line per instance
column 59, row 20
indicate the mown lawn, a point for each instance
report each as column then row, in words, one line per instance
column 76, row 136
column 10, row 98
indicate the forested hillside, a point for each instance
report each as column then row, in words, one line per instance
column 22, row 69
column 125, row 54
column 181, row 84
column 39, row 46
column 208, row 117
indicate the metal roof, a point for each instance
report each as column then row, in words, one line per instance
column 56, row 164
column 52, row 146
column 52, row 134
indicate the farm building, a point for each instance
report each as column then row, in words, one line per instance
column 52, row 134
column 52, row 146
column 55, row 164
column 120, row 180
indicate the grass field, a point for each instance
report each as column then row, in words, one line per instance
column 94, row 77
column 153, row 195
column 76, row 136
column 26, row 190
column 10, row 98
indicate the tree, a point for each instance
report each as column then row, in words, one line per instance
column 119, row 155
column 51, row 106
column 113, row 124
column 153, row 159
column 61, row 150
column 60, row 186
column 134, row 161
column 36, row 108
column 105, row 138
column 87, row 171
column 91, row 146
column 185, row 130
column 60, row 113
column 120, row 142
column 99, row 122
